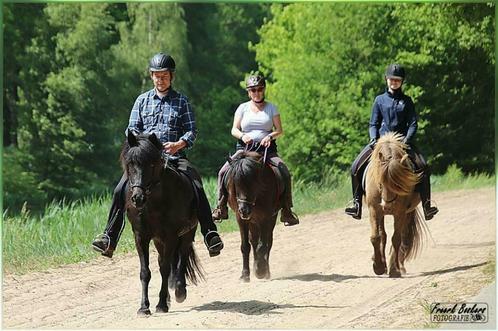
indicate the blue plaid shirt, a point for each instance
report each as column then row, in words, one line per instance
column 171, row 118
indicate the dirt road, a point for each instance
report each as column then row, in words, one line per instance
column 321, row 278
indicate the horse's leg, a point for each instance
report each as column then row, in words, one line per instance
column 259, row 246
column 406, row 241
column 182, row 255
column 245, row 248
column 394, row 270
column 165, row 252
column 262, row 258
column 142, row 245
column 270, row 244
column 377, row 237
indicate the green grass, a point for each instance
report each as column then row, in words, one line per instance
column 65, row 230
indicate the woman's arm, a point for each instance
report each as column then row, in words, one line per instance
column 236, row 130
column 277, row 131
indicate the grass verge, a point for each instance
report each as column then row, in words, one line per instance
column 63, row 233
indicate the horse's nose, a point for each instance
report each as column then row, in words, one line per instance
column 245, row 211
column 138, row 200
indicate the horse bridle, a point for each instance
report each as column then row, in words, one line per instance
column 148, row 188
column 252, row 203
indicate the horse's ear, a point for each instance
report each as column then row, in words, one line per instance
column 153, row 139
column 132, row 139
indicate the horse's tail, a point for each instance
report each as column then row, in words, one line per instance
column 193, row 269
column 416, row 235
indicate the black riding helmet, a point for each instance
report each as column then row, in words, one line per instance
column 395, row 71
column 255, row 80
column 162, row 62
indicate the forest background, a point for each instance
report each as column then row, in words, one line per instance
column 73, row 70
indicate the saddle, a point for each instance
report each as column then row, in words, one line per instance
column 418, row 166
column 278, row 176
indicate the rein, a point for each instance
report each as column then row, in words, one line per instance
column 247, row 148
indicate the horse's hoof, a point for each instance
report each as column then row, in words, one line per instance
column 403, row 270
column 180, row 294
column 260, row 276
column 268, row 275
column 245, row 278
column 394, row 274
column 144, row 312
column 161, row 309
column 379, row 270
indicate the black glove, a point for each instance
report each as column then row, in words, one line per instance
column 406, row 141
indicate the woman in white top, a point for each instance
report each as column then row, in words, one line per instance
column 256, row 125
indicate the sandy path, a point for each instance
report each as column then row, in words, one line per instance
column 321, row 278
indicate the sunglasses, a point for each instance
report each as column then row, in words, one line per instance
column 255, row 89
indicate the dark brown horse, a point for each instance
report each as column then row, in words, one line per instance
column 390, row 190
column 252, row 195
column 160, row 206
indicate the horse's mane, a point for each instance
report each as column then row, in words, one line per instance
column 243, row 166
column 391, row 166
column 144, row 153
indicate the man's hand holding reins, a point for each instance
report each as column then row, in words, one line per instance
column 173, row 147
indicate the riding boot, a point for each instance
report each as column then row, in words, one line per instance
column 212, row 239
column 221, row 211
column 106, row 243
column 425, row 197
column 355, row 209
column 287, row 217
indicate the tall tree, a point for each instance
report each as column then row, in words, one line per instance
column 64, row 96
column 327, row 63
column 219, row 35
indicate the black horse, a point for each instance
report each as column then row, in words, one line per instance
column 160, row 204
column 253, row 196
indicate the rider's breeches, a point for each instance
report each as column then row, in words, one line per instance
column 357, row 169
column 421, row 166
column 115, row 220
column 203, row 209
column 222, row 190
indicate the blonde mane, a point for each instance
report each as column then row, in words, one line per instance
column 391, row 167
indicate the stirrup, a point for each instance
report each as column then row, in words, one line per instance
column 215, row 248
column 295, row 219
column 102, row 238
column 218, row 215
column 429, row 211
column 354, row 210
column 108, row 250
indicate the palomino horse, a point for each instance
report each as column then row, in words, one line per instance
column 390, row 184
column 252, row 195
column 160, row 205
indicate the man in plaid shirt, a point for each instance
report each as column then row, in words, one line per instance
column 168, row 114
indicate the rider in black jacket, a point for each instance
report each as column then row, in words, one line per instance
column 392, row 111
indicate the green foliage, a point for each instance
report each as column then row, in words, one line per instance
column 219, row 35
column 326, row 64
column 73, row 70
column 18, row 184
